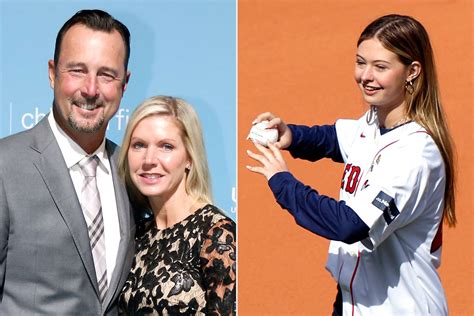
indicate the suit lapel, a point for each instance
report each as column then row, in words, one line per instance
column 53, row 169
column 126, row 249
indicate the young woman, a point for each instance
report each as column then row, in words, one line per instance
column 398, row 180
column 185, row 259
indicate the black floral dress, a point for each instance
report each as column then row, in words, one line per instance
column 186, row 269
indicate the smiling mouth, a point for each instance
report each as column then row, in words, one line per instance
column 151, row 176
column 371, row 88
column 87, row 106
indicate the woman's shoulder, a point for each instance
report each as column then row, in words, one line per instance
column 417, row 140
column 414, row 148
column 215, row 214
column 210, row 217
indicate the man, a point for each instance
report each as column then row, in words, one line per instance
column 66, row 235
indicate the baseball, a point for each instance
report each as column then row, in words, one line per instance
column 261, row 135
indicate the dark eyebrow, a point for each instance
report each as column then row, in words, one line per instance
column 74, row 64
column 382, row 61
column 114, row 72
column 375, row 61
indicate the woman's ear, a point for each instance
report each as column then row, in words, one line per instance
column 414, row 71
column 188, row 166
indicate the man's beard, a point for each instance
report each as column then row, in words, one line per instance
column 88, row 127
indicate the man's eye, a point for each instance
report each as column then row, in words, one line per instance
column 76, row 71
column 107, row 77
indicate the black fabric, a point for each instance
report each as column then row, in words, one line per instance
column 337, row 306
column 186, row 269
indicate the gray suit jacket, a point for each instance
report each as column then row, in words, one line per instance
column 46, row 265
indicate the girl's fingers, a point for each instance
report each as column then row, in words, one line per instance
column 255, row 169
column 275, row 151
column 265, row 151
column 274, row 122
column 267, row 116
column 257, row 157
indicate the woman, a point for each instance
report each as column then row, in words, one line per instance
column 185, row 260
column 398, row 181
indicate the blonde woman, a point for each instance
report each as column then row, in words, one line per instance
column 185, row 259
column 398, row 180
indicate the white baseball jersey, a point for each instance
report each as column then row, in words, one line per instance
column 395, row 183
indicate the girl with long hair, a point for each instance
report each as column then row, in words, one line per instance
column 397, row 184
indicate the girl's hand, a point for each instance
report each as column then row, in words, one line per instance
column 270, row 158
column 284, row 133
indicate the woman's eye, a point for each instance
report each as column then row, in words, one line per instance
column 137, row 145
column 168, row 147
column 381, row 67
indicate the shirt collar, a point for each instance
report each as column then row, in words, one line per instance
column 72, row 152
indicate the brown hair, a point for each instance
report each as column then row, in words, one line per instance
column 408, row 39
column 96, row 20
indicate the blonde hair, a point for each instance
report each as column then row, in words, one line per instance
column 198, row 183
column 408, row 39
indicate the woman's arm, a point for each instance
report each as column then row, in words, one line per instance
column 317, row 213
column 218, row 261
column 314, row 143
column 310, row 143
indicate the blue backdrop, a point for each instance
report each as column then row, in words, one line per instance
column 183, row 48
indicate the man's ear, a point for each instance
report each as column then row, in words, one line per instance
column 125, row 81
column 51, row 73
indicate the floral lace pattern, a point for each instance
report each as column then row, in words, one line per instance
column 186, row 269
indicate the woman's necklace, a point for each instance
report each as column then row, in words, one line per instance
column 401, row 121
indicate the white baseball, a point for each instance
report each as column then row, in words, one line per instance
column 261, row 135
